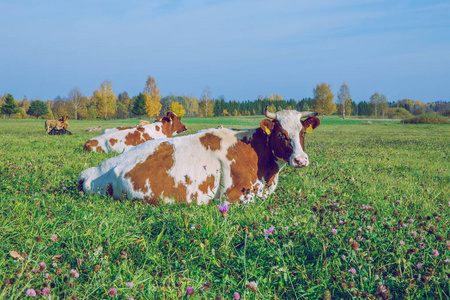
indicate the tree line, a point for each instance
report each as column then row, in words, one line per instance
column 104, row 104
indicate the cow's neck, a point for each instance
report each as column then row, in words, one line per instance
column 268, row 164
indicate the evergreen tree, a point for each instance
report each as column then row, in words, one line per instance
column 10, row 106
column 37, row 108
column 139, row 105
column 363, row 108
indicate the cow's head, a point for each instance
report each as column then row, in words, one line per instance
column 286, row 133
column 171, row 124
column 63, row 118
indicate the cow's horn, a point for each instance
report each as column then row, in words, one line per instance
column 269, row 114
column 306, row 114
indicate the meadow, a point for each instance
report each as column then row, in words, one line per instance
column 368, row 219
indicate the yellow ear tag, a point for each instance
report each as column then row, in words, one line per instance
column 309, row 129
column 267, row 130
column 170, row 119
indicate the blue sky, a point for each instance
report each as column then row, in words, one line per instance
column 239, row 49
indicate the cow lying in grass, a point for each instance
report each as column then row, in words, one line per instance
column 207, row 165
column 58, row 124
column 120, row 138
column 61, row 131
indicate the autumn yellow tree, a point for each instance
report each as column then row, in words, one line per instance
column 177, row 108
column 190, row 104
column 272, row 108
column 105, row 100
column 323, row 102
column 152, row 97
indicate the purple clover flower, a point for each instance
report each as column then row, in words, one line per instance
column 190, row 290
column 112, row 292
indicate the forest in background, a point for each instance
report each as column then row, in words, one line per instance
column 104, row 104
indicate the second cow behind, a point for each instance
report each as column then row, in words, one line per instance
column 120, row 138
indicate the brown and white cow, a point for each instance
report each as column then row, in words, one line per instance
column 210, row 164
column 59, row 124
column 123, row 138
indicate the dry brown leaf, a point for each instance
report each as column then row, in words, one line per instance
column 56, row 257
column 16, row 255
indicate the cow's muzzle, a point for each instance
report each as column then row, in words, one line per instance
column 300, row 162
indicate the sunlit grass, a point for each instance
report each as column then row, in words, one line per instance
column 364, row 220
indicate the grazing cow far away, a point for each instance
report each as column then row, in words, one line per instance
column 58, row 124
column 210, row 164
column 123, row 138
column 144, row 122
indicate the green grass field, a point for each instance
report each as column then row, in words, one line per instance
column 368, row 219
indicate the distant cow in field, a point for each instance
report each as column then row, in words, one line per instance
column 58, row 124
column 207, row 165
column 144, row 122
column 120, row 138
column 93, row 129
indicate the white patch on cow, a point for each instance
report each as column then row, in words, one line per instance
column 290, row 121
column 198, row 163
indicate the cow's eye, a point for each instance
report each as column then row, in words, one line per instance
column 280, row 135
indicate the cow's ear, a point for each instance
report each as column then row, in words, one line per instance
column 310, row 124
column 171, row 115
column 267, row 126
column 159, row 118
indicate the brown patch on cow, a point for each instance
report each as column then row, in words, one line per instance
column 207, row 185
column 140, row 128
column 124, row 128
column 146, row 137
column 133, row 138
column 109, row 190
column 211, row 141
column 157, row 128
column 188, row 180
column 112, row 141
column 153, row 172
column 151, row 200
column 194, row 196
column 250, row 161
column 89, row 146
column 242, row 170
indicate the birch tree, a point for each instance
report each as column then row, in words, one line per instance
column 75, row 96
